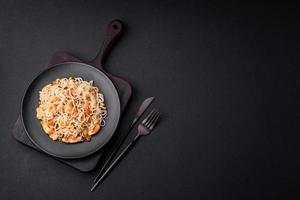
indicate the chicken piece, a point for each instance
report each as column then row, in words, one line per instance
column 95, row 129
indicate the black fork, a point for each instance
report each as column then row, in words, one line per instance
column 144, row 128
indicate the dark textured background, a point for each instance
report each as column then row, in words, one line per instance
column 225, row 80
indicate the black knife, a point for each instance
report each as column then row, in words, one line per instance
column 146, row 103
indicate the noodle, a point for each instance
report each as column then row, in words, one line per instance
column 71, row 110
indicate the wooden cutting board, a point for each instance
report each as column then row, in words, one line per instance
column 113, row 32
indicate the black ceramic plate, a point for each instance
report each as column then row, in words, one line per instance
column 60, row 149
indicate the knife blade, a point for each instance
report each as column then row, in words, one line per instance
column 146, row 103
column 143, row 107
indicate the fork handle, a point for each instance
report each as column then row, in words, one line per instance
column 115, row 162
column 111, row 154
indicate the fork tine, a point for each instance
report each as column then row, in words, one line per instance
column 151, row 120
column 148, row 116
column 154, row 122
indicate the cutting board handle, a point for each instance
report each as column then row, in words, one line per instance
column 113, row 32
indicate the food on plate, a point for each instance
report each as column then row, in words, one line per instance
column 71, row 110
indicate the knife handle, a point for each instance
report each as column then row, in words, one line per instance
column 113, row 33
column 116, row 161
column 112, row 153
